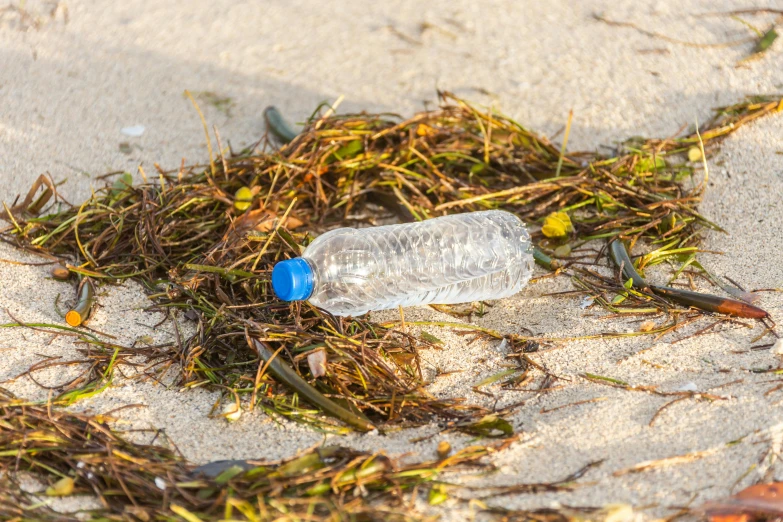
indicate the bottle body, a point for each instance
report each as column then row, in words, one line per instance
column 446, row 260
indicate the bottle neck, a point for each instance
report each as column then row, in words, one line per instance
column 292, row 279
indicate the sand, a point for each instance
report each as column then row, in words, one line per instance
column 69, row 87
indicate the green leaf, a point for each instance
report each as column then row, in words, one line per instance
column 348, row 151
column 122, row 183
column 289, row 240
column 607, row 379
column 648, row 164
column 430, row 338
column 205, row 493
column 228, row 474
column 764, row 43
column 477, row 168
column 489, row 426
column 619, row 298
column 319, row 489
column 766, row 40
column 496, row 377
column 628, row 284
column 437, row 495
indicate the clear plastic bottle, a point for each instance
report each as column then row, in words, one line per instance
column 446, row 260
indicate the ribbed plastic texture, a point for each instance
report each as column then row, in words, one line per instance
column 446, row 260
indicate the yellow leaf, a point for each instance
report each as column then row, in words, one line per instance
column 557, row 224
column 125, row 456
column 617, row 513
column 694, row 154
column 184, row 513
column 243, row 199
column 61, row 488
column 425, row 130
column 444, row 448
column 478, row 504
column 245, row 507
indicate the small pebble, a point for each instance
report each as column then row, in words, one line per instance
column 563, row 251
column 60, row 273
column 688, row 387
column 646, row 326
column 133, row 131
column 231, row 412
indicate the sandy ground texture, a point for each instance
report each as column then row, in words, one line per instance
column 70, row 83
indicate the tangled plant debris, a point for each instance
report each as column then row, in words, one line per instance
column 203, row 241
column 80, row 454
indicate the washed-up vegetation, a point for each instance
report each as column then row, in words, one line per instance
column 202, row 240
column 78, row 454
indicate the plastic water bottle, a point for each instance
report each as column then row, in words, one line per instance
column 451, row 259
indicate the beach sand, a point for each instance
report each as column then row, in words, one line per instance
column 70, row 85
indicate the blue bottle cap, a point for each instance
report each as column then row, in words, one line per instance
column 292, row 280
